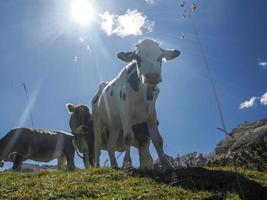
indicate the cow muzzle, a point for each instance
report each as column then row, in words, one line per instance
column 152, row 78
column 81, row 130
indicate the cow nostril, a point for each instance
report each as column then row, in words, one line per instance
column 152, row 76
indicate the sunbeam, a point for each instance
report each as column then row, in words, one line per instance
column 29, row 105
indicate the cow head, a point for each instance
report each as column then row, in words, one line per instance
column 80, row 119
column 149, row 56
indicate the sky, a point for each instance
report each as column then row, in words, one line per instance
column 62, row 55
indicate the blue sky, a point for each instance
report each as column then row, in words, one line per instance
column 62, row 61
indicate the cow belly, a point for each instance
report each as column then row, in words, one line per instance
column 45, row 156
column 45, row 149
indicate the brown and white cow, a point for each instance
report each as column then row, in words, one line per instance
column 81, row 125
column 129, row 99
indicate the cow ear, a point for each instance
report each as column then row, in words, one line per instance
column 70, row 107
column 126, row 56
column 170, row 54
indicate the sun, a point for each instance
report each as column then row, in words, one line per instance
column 82, row 12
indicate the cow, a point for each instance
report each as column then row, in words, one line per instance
column 81, row 125
column 141, row 136
column 21, row 144
column 129, row 99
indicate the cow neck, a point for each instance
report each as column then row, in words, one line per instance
column 136, row 84
column 132, row 77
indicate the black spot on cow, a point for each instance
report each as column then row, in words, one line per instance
column 141, row 133
column 131, row 68
column 149, row 93
column 123, row 96
column 120, row 94
column 134, row 81
column 111, row 93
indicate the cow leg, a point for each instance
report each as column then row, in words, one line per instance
column 86, row 160
column 158, row 143
column 145, row 158
column 128, row 134
column 91, row 143
column 17, row 162
column 70, row 159
column 61, row 162
column 127, row 161
column 2, row 163
column 91, row 159
column 111, row 145
column 97, row 143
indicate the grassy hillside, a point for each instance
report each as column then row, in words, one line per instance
column 106, row 183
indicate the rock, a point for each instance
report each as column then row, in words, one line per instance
column 246, row 136
column 27, row 167
column 157, row 165
column 188, row 160
column 247, row 147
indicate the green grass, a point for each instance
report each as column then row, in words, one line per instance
column 106, row 183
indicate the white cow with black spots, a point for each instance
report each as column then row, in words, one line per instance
column 129, row 99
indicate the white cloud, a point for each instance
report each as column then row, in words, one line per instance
column 248, row 104
column 132, row 22
column 150, row 1
column 107, row 22
column 263, row 99
column 262, row 63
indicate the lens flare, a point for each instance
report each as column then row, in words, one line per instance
column 82, row 12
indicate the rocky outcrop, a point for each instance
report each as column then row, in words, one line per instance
column 190, row 159
column 246, row 146
column 245, row 136
column 187, row 160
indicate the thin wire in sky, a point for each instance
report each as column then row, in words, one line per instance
column 187, row 13
column 27, row 97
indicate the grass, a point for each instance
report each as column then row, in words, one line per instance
column 107, row 183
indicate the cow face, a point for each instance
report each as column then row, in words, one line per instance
column 149, row 56
column 80, row 119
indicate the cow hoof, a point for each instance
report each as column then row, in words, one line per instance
column 70, row 168
column 146, row 168
column 115, row 167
